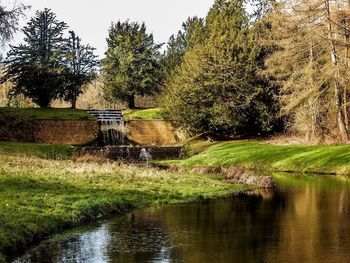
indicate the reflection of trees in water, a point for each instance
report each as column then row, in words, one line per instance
column 138, row 238
column 210, row 231
column 265, row 193
column 223, row 230
column 307, row 219
column 316, row 223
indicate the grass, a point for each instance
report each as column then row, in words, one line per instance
column 144, row 114
column 45, row 114
column 45, row 151
column 262, row 156
column 39, row 196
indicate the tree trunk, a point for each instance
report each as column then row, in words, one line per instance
column 347, row 56
column 131, row 102
column 312, row 134
column 338, row 96
column 74, row 102
column 341, row 119
column 345, row 107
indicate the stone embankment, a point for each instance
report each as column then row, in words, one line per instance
column 75, row 132
column 131, row 153
column 150, row 132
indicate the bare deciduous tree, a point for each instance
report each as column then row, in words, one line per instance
column 311, row 62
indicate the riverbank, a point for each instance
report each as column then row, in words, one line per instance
column 261, row 156
column 43, row 193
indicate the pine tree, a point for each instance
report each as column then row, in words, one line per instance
column 217, row 89
column 131, row 66
column 36, row 67
column 80, row 64
column 192, row 33
column 9, row 21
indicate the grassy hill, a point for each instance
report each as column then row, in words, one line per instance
column 45, row 114
column 259, row 155
column 144, row 114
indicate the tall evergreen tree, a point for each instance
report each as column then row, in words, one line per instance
column 9, row 21
column 217, row 88
column 80, row 64
column 192, row 33
column 131, row 66
column 36, row 67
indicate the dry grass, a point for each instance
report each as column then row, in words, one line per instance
column 297, row 139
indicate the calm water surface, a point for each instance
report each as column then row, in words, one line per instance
column 306, row 219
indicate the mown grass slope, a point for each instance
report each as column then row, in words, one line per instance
column 45, row 114
column 40, row 196
column 144, row 114
column 45, row 151
column 262, row 156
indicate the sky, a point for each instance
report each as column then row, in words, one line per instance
column 90, row 19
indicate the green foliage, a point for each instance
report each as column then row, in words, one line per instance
column 217, row 88
column 48, row 66
column 270, row 157
column 39, row 197
column 80, row 64
column 144, row 114
column 9, row 21
column 45, row 114
column 35, row 67
column 192, row 33
column 131, row 66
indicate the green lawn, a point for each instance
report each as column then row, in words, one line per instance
column 262, row 156
column 40, row 196
column 45, row 151
column 45, row 114
column 144, row 114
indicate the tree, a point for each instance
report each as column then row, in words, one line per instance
column 9, row 21
column 311, row 64
column 80, row 64
column 192, row 33
column 131, row 66
column 36, row 67
column 217, row 89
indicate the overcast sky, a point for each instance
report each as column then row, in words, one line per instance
column 92, row 18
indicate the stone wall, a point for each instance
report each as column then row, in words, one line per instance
column 132, row 153
column 145, row 132
column 82, row 132
column 76, row 132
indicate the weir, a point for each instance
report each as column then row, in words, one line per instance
column 112, row 126
column 113, row 142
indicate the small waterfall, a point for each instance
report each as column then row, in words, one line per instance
column 112, row 126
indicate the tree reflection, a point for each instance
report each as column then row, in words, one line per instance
column 306, row 219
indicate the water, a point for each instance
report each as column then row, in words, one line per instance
column 145, row 155
column 306, row 219
column 112, row 132
column 112, row 126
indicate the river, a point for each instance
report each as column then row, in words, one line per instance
column 305, row 219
